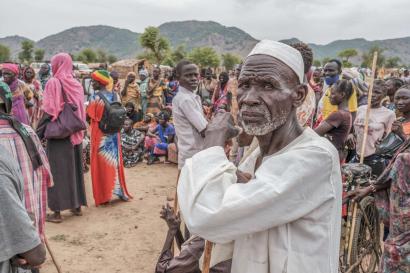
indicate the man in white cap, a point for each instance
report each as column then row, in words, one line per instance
column 287, row 217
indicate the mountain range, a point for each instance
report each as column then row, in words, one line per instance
column 124, row 43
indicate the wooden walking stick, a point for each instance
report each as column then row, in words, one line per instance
column 369, row 102
column 58, row 267
column 207, row 257
column 362, row 150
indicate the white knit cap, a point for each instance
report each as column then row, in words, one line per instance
column 287, row 54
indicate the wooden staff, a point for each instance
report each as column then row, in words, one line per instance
column 207, row 257
column 369, row 102
column 366, row 128
column 58, row 267
column 176, row 208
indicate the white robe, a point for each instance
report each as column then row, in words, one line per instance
column 285, row 220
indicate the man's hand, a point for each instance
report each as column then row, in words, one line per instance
column 243, row 177
column 358, row 194
column 351, row 142
column 173, row 221
column 22, row 263
column 219, row 130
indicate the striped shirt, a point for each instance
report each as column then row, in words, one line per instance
column 35, row 181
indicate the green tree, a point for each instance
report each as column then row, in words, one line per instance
column 368, row 57
column 317, row 63
column 26, row 53
column 39, row 55
column 102, row 56
column 112, row 59
column 392, row 62
column 178, row 54
column 87, row 56
column 154, row 43
column 169, row 61
column 4, row 53
column 230, row 60
column 347, row 54
column 149, row 56
column 174, row 56
column 204, row 57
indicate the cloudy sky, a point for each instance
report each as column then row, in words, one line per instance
column 318, row 21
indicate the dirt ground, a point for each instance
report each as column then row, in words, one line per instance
column 122, row 237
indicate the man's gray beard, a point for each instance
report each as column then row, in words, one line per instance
column 268, row 126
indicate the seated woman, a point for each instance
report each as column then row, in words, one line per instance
column 149, row 123
column 337, row 125
column 132, row 142
column 157, row 140
column 132, row 114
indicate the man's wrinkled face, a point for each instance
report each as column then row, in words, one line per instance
column 8, row 76
column 266, row 94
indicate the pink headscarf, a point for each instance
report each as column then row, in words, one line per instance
column 12, row 67
column 53, row 102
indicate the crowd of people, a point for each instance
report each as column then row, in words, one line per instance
column 250, row 145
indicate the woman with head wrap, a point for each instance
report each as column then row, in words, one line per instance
column 22, row 142
column 131, row 92
column 65, row 155
column 107, row 169
column 21, row 92
column 143, row 84
column 29, row 77
column 158, row 139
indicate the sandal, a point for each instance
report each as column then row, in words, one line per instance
column 77, row 212
column 53, row 219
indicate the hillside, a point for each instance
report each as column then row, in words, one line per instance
column 124, row 43
column 199, row 33
column 121, row 42
column 14, row 43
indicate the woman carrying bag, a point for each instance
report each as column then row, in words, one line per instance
column 64, row 152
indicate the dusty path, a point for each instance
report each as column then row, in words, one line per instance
column 123, row 237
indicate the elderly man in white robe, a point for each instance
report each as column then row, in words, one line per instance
column 287, row 217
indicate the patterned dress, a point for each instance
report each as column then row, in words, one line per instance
column 107, row 169
column 394, row 209
column 132, row 139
